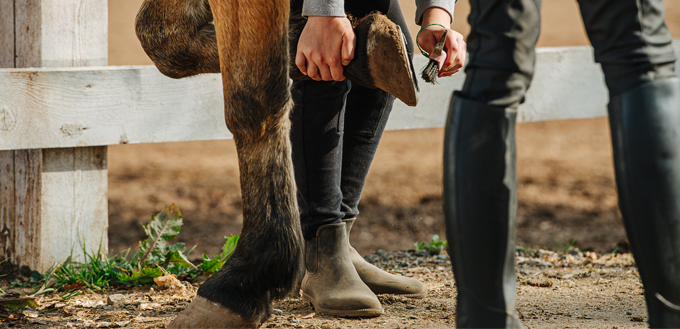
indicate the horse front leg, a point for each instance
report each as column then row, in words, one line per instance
column 253, row 50
column 178, row 36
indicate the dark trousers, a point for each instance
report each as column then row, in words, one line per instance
column 629, row 37
column 336, row 128
column 633, row 46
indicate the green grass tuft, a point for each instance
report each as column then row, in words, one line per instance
column 154, row 257
column 434, row 246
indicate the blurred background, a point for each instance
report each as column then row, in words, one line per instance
column 566, row 178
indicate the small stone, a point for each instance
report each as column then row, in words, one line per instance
column 149, row 306
column 541, row 283
column 116, row 299
column 544, row 263
column 277, row 311
column 30, row 313
column 636, row 319
column 629, row 313
column 448, row 283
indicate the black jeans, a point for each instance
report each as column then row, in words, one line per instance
column 629, row 37
column 336, row 128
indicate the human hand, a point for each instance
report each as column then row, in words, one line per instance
column 325, row 46
column 453, row 58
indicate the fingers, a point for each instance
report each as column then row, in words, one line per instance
column 348, row 44
column 325, row 45
column 301, row 62
column 455, row 48
column 329, row 69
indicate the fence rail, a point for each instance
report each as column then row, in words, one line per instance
column 94, row 106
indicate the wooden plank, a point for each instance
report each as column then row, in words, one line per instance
column 74, row 205
column 74, row 208
column 7, row 203
column 136, row 104
column 74, row 33
column 6, row 157
column 6, row 33
column 27, row 238
column 68, row 33
column 109, row 105
column 91, row 210
column 50, row 216
column 28, row 22
column 556, row 92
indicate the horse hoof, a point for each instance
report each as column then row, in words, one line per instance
column 202, row 313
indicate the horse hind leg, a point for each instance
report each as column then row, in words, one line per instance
column 252, row 41
column 178, row 36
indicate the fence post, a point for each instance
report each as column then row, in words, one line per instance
column 53, row 202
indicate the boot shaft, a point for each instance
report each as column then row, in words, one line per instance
column 645, row 128
column 480, row 188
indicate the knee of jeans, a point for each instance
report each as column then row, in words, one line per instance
column 496, row 87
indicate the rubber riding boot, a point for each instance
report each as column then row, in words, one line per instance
column 480, row 206
column 331, row 283
column 379, row 281
column 645, row 128
column 381, row 59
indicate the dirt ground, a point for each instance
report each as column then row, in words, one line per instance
column 565, row 290
column 566, row 192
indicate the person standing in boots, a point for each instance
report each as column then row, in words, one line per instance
column 336, row 127
column 633, row 46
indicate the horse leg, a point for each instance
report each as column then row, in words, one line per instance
column 252, row 42
column 178, row 36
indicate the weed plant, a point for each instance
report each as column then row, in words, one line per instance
column 434, row 247
column 154, row 257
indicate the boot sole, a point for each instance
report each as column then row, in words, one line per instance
column 414, row 296
column 419, row 295
column 363, row 313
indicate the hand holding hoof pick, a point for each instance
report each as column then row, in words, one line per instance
column 437, row 58
column 445, row 48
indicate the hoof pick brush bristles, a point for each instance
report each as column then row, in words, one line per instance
column 431, row 71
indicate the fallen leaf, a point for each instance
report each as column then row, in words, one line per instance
column 76, row 285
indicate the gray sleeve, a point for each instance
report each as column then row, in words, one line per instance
column 422, row 5
column 323, row 8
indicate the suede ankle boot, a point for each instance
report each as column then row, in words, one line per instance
column 331, row 283
column 645, row 128
column 480, row 206
column 379, row 281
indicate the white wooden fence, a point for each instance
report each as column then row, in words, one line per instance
column 58, row 116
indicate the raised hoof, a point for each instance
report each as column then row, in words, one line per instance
column 381, row 58
column 202, row 313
